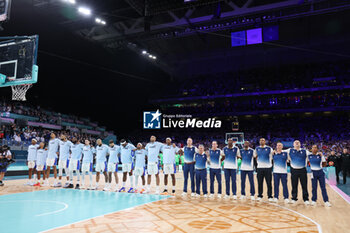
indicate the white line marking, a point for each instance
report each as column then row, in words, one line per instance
column 105, row 213
column 334, row 188
column 43, row 214
column 319, row 228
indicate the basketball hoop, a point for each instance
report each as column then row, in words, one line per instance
column 19, row 92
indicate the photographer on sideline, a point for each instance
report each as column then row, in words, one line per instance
column 5, row 161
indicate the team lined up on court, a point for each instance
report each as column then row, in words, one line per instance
column 139, row 161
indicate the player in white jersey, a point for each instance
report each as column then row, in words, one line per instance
column 140, row 164
column 74, row 163
column 31, row 159
column 113, row 161
column 169, row 166
column 41, row 157
column 126, row 159
column 101, row 162
column 52, row 155
column 88, row 158
column 63, row 161
column 153, row 150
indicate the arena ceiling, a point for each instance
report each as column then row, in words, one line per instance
column 172, row 29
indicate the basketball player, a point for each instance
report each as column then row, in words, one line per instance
column 264, row 155
column 63, row 161
column 201, row 161
column 153, row 151
column 169, row 150
column 126, row 159
column 88, row 158
column 113, row 161
column 247, row 168
column 74, row 163
column 231, row 153
column 216, row 157
column 298, row 161
column 189, row 151
column 41, row 157
column 140, row 164
column 101, row 164
column 51, row 160
column 317, row 161
column 280, row 160
column 31, row 158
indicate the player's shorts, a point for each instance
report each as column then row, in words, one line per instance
column 152, row 168
column 101, row 167
column 31, row 164
column 86, row 167
column 112, row 167
column 51, row 162
column 74, row 165
column 139, row 171
column 40, row 168
column 127, row 167
column 169, row 168
column 63, row 163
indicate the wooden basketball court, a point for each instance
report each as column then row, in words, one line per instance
column 189, row 214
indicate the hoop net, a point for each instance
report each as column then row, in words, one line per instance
column 19, row 92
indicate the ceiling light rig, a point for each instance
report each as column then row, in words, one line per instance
column 83, row 10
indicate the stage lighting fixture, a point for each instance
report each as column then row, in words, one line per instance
column 144, row 52
column 84, row 11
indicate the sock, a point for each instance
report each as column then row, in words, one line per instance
column 131, row 181
column 136, row 181
column 90, row 176
column 148, row 187
column 174, row 188
column 157, row 187
column 166, row 187
column 123, row 184
column 34, row 177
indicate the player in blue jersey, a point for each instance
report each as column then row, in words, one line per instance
column 231, row 153
column 280, row 160
column 153, row 151
column 101, row 163
column 317, row 161
column 247, row 168
column 41, row 156
column 264, row 155
column 113, row 161
column 87, row 163
column 63, row 160
column 215, row 160
column 140, row 167
column 298, row 161
column 52, row 155
column 189, row 168
column 74, row 163
column 169, row 168
column 31, row 160
column 127, row 165
column 201, row 161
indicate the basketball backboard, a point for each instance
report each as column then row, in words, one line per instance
column 238, row 137
column 18, row 57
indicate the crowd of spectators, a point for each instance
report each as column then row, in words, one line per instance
column 329, row 133
column 18, row 136
column 262, row 79
column 262, row 103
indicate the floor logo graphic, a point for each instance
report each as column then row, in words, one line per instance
column 152, row 120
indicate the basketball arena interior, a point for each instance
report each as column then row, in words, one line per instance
column 175, row 116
